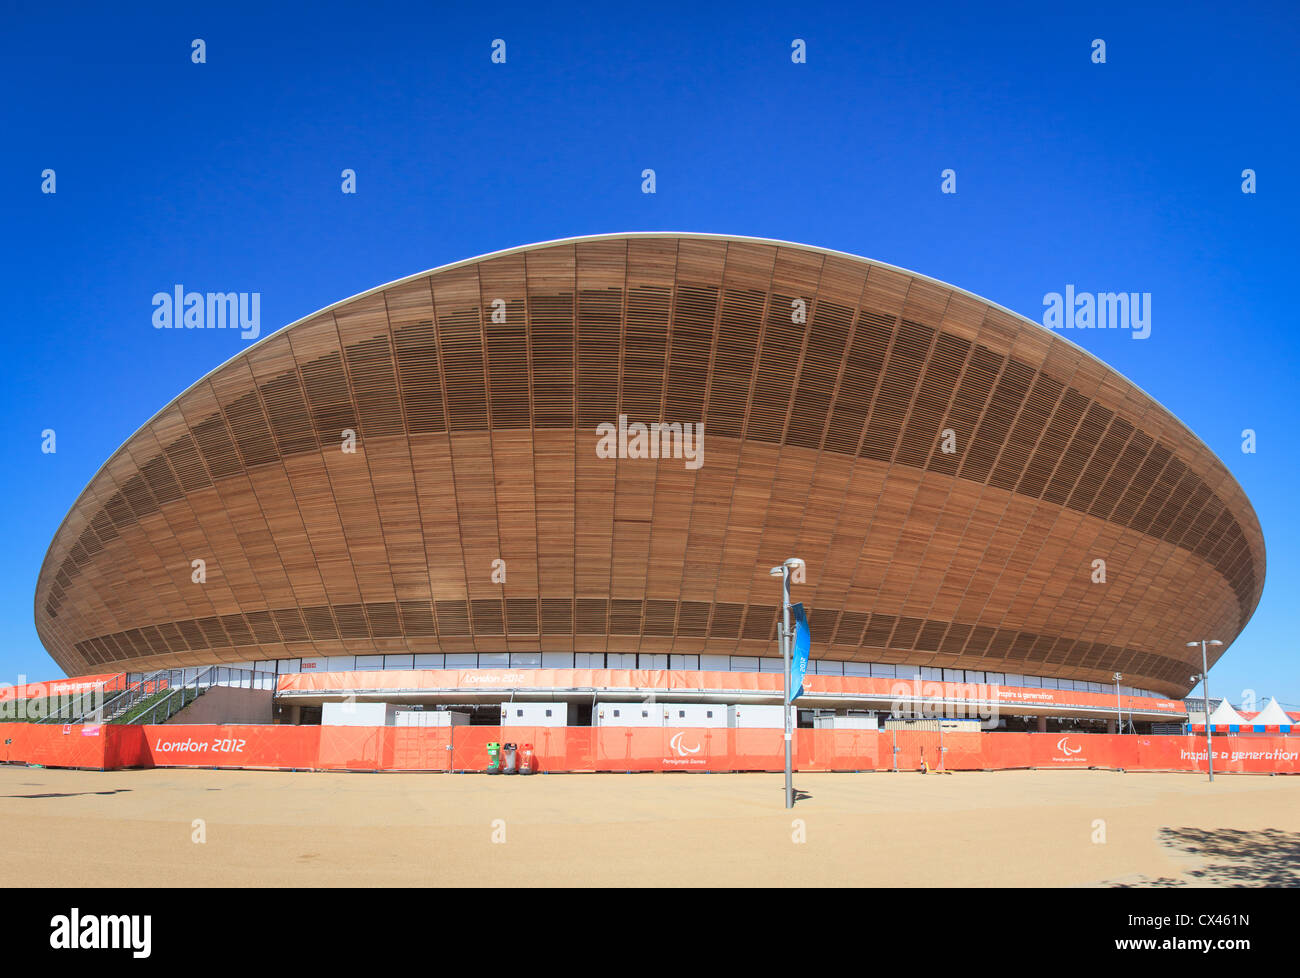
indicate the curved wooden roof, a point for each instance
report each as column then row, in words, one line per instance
column 476, row 441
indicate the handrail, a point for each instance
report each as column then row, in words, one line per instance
column 177, row 696
column 129, row 696
column 144, row 687
column 153, row 714
column 170, row 687
column 76, row 710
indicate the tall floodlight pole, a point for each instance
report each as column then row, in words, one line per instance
column 783, row 572
column 1119, row 709
column 1205, row 692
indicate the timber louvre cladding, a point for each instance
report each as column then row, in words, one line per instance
column 476, row 441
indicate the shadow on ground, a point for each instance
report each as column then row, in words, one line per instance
column 69, row 794
column 1228, row 857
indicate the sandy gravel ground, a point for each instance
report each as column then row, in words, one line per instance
column 1014, row 828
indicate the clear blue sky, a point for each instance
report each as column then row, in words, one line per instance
column 225, row 176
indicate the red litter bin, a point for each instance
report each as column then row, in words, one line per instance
column 526, row 765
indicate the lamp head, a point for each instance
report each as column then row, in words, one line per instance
column 777, row 571
column 1215, row 641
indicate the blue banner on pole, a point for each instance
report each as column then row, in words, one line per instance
column 799, row 653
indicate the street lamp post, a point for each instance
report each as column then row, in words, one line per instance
column 1119, row 709
column 783, row 571
column 1205, row 692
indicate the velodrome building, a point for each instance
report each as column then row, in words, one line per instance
column 563, row 471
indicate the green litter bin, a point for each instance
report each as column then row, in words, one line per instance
column 494, row 758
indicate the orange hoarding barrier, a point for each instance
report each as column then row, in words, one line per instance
column 667, row 680
column 126, row 746
column 1255, row 755
column 965, row 752
column 417, row 749
column 561, row 749
column 194, row 745
column 686, row 749
column 351, row 748
column 60, row 687
column 54, row 745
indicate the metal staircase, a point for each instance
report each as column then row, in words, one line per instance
column 158, row 696
column 91, row 705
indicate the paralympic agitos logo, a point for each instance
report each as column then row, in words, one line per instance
column 681, row 749
column 1063, row 745
column 683, row 755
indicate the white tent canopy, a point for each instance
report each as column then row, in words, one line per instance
column 1272, row 715
column 1224, row 715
